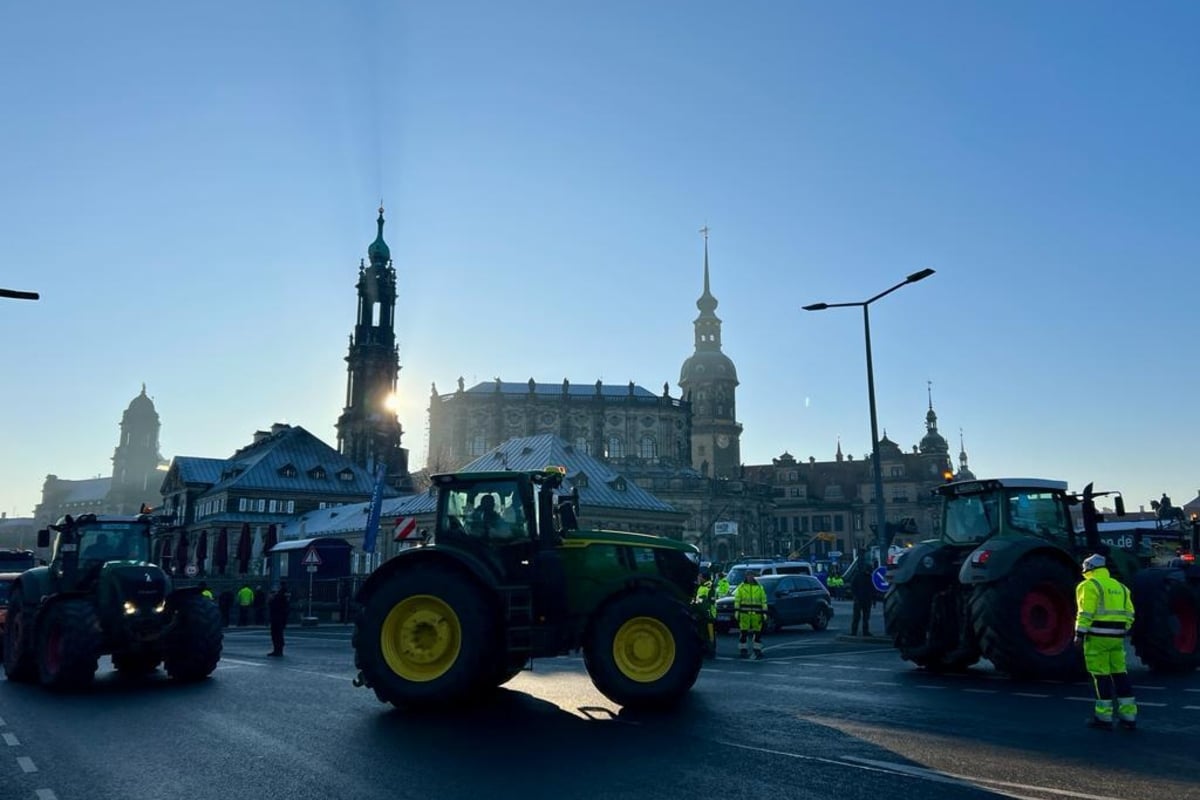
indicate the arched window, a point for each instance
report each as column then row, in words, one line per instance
column 616, row 448
column 581, row 445
column 648, row 447
column 477, row 444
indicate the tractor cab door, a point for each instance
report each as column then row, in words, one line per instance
column 490, row 520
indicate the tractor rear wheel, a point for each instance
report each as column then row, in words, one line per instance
column 923, row 617
column 20, row 659
column 194, row 646
column 644, row 650
column 1166, row 634
column 1025, row 622
column 68, row 646
column 426, row 638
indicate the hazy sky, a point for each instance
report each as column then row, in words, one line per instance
column 191, row 187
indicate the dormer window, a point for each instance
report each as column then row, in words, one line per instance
column 580, row 481
column 617, row 483
column 317, row 473
column 346, row 475
column 288, row 471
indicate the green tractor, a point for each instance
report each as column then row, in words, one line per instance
column 1000, row 584
column 508, row 577
column 100, row 594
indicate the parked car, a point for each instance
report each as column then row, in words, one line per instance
column 737, row 573
column 791, row 600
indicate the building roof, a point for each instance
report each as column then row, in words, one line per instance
column 572, row 389
column 193, row 469
column 87, row 490
column 600, row 486
column 352, row 518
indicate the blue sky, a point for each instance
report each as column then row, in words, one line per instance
column 191, row 189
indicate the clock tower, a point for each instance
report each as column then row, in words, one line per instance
column 709, row 381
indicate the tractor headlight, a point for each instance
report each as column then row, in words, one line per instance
column 130, row 608
column 161, row 607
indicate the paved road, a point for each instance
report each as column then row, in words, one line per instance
column 819, row 717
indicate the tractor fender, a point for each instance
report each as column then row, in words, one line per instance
column 995, row 559
column 35, row 585
column 926, row 559
column 422, row 556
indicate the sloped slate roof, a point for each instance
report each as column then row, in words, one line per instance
column 193, row 469
column 573, row 389
column 261, row 464
column 352, row 518
column 539, row 452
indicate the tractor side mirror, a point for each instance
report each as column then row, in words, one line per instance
column 43, row 539
column 1119, row 502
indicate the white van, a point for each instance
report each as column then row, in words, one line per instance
column 737, row 573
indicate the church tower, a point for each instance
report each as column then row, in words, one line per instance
column 135, row 477
column 709, row 381
column 368, row 430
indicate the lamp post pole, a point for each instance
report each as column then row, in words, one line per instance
column 877, row 467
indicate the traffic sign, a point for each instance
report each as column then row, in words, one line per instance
column 191, row 570
column 405, row 527
column 879, row 579
column 311, row 568
column 311, row 558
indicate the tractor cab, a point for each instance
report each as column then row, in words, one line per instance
column 87, row 545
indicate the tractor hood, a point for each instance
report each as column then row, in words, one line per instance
column 142, row 584
column 584, row 538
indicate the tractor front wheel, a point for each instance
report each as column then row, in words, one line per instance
column 68, row 645
column 1166, row 634
column 426, row 638
column 20, row 659
column 194, row 646
column 644, row 651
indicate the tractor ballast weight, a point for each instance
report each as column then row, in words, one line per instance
column 100, row 595
column 1000, row 584
column 507, row 577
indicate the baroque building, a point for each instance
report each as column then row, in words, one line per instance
column 368, row 430
column 135, row 479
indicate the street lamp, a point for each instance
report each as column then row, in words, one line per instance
column 880, row 514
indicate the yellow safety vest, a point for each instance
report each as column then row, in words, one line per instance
column 1105, row 606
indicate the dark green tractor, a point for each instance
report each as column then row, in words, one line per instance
column 101, row 595
column 509, row 577
column 1000, row 584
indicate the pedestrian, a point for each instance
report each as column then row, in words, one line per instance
column 722, row 585
column 1103, row 620
column 225, row 605
column 245, row 599
column 750, row 607
column 279, row 606
column 205, row 591
column 863, row 591
column 707, row 610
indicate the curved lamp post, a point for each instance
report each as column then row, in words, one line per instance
column 880, row 514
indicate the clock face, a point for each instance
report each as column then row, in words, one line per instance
column 722, row 441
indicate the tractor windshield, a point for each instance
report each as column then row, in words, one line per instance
column 971, row 518
column 114, row 541
column 1038, row 512
column 487, row 511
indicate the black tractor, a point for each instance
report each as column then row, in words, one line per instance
column 101, row 595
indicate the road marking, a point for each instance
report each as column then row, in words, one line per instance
column 1150, row 688
column 1192, row 708
column 1151, row 705
column 1, row 722
column 928, row 686
column 971, row 780
column 26, row 764
column 883, row 683
column 239, row 662
column 843, row 680
column 1192, row 690
column 1081, row 699
column 1030, row 694
column 10, row 739
column 983, row 691
column 46, row 794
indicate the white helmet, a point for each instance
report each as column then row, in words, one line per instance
column 1093, row 562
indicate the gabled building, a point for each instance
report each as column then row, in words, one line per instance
column 281, row 475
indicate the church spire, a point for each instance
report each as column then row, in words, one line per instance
column 707, row 303
column 378, row 252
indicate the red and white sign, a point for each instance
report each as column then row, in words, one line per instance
column 405, row 527
column 311, row 558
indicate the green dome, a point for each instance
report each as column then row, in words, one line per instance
column 378, row 252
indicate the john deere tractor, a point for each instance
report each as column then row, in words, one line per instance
column 508, row 577
column 100, row 594
column 1000, row 584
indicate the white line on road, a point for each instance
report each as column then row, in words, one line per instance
column 950, row 777
column 1192, row 708
column 26, row 764
column 1150, row 688
column 239, row 662
column 46, row 794
column 883, row 683
column 1151, row 705
column 1192, row 690
column 10, row 739
column 1081, row 699
column 983, row 691
column 928, row 686
column 1030, row 694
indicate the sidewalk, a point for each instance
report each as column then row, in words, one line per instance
column 843, row 613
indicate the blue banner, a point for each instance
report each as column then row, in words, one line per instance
column 372, row 532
